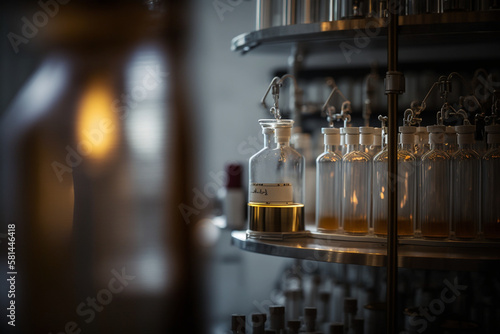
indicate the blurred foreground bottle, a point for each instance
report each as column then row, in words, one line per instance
column 94, row 170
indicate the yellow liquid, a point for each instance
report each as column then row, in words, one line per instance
column 491, row 230
column 435, row 229
column 405, row 227
column 356, row 226
column 465, row 230
column 328, row 224
column 276, row 218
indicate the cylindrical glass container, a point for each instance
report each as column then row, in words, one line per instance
column 276, row 186
column 329, row 183
column 435, row 187
column 465, row 185
column 343, row 146
column 490, row 174
column 356, row 173
column 406, row 186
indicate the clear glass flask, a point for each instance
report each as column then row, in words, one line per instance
column 450, row 140
column 490, row 174
column 329, row 183
column 465, row 185
column 276, row 186
column 435, row 187
column 406, row 183
column 356, row 173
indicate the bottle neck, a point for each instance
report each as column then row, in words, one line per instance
column 282, row 144
column 329, row 148
column 467, row 146
column 406, row 146
column 437, row 146
column 493, row 146
column 352, row 147
column 268, row 140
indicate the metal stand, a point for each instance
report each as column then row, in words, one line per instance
column 394, row 85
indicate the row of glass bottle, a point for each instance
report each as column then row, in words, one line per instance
column 272, row 13
column 440, row 194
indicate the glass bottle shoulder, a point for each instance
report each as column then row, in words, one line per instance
column 356, row 156
column 466, row 154
column 492, row 154
column 403, row 156
column 328, row 157
column 435, row 155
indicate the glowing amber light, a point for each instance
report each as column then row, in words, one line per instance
column 96, row 122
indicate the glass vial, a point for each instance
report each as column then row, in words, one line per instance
column 356, row 174
column 465, row 185
column 276, row 186
column 406, row 183
column 329, row 183
column 435, row 187
column 490, row 173
column 421, row 147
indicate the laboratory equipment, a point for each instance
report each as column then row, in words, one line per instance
column 490, row 174
column 310, row 314
column 406, row 190
column 277, row 318
column 276, row 186
column 356, row 174
column 465, row 185
column 435, row 187
column 329, row 183
column 377, row 141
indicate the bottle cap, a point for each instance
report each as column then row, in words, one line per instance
column 465, row 134
column 283, row 130
column 377, row 136
column 310, row 312
column 493, row 132
column 436, row 134
column 350, row 305
column 352, row 135
column 233, row 172
column 366, row 137
column 276, row 310
column 407, row 134
column 238, row 322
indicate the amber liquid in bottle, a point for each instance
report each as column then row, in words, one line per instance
column 356, row 226
column 328, row 224
column 405, row 227
column 433, row 229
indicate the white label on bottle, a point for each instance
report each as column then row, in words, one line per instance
column 271, row 193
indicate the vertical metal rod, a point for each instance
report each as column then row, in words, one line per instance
column 392, row 230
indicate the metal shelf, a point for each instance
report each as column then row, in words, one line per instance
column 415, row 30
column 372, row 251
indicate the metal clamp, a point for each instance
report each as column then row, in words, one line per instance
column 394, row 82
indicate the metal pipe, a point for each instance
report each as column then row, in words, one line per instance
column 392, row 230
